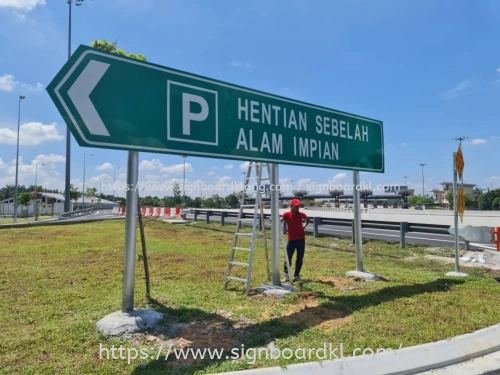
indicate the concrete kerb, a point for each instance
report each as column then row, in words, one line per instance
column 119, row 323
column 404, row 361
column 277, row 291
column 364, row 276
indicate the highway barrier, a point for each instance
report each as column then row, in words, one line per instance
column 317, row 221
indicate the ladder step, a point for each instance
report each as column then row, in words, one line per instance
column 242, row 248
column 248, row 205
column 245, row 234
column 246, row 220
column 236, row 279
column 239, row 264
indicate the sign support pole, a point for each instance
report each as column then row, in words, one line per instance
column 275, row 230
column 357, row 222
column 455, row 213
column 130, row 232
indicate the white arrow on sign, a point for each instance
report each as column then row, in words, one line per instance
column 79, row 94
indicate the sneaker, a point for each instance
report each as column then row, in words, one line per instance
column 297, row 278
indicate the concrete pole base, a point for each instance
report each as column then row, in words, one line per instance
column 277, row 291
column 119, row 323
column 363, row 276
column 457, row 274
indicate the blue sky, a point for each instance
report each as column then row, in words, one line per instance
column 430, row 70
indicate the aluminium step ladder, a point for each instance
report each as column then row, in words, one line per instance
column 257, row 223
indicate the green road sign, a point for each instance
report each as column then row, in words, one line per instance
column 110, row 101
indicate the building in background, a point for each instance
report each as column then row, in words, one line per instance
column 53, row 203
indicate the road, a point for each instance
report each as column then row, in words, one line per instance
column 330, row 230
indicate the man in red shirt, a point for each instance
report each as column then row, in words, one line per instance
column 296, row 236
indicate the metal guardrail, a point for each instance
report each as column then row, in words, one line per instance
column 85, row 211
column 402, row 227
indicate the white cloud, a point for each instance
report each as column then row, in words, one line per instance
column 21, row 4
column 239, row 64
column 31, row 134
column 104, row 167
column 176, row 168
column 456, row 91
column 498, row 70
column 223, row 180
column 301, row 184
column 228, row 166
column 148, row 165
column 27, row 172
column 2, row 164
column 478, row 141
column 339, row 177
column 49, row 159
column 244, row 165
column 493, row 179
column 9, row 84
column 211, row 173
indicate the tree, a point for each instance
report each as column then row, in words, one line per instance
column 51, row 202
column 24, row 199
column 91, row 192
column 232, row 201
column 496, row 203
column 469, row 201
column 74, row 193
column 104, row 45
column 419, row 199
column 177, row 193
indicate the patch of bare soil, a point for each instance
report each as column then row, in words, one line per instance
column 309, row 313
column 342, row 283
column 201, row 335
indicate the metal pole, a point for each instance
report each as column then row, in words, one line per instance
column 130, row 231
column 184, row 181
column 36, row 177
column 67, row 195
column 455, row 214
column 83, row 192
column 275, row 230
column 17, row 158
column 357, row 222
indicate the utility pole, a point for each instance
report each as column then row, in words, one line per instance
column 423, row 165
column 67, row 183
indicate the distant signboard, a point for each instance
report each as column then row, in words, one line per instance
column 395, row 188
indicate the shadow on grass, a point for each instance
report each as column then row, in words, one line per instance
column 212, row 331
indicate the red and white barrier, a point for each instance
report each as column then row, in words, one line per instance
column 156, row 211
column 148, row 211
column 165, row 212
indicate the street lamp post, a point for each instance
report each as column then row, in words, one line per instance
column 67, row 184
column 405, row 179
column 114, row 180
column 423, row 165
column 83, row 192
column 100, row 194
column 184, row 180
column 17, row 157
column 35, row 209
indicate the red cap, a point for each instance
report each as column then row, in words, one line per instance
column 295, row 202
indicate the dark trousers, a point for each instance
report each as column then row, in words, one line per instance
column 300, row 246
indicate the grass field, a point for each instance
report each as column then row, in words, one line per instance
column 57, row 282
